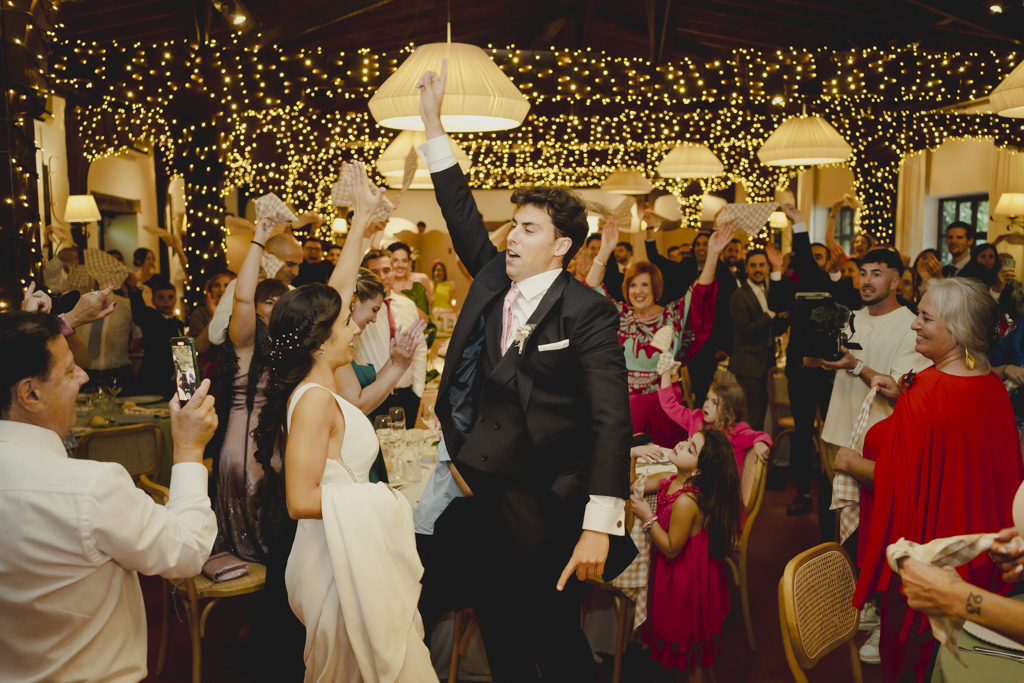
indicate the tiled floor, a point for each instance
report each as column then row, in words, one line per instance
column 776, row 538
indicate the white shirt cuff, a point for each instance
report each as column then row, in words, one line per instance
column 835, row 276
column 188, row 478
column 606, row 514
column 799, row 227
column 994, row 294
column 776, row 277
column 437, row 153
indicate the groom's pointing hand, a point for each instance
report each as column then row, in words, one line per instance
column 587, row 558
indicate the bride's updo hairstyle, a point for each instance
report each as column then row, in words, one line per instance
column 301, row 322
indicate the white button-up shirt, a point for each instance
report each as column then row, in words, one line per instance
column 73, row 534
column 373, row 345
column 605, row 514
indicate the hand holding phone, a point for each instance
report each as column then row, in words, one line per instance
column 186, row 367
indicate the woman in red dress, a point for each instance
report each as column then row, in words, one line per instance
column 946, row 462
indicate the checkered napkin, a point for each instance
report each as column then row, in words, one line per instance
column 170, row 239
column 270, row 206
column 845, row 489
column 942, row 552
column 750, row 218
column 412, row 162
column 341, row 194
column 270, row 263
column 61, row 237
column 633, row 580
column 79, row 279
column 104, row 268
column 621, row 213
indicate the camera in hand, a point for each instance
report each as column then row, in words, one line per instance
column 826, row 325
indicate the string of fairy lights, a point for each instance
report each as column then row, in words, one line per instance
column 238, row 114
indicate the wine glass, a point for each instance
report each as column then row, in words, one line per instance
column 397, row 415
column 114, row 387
column 382, row 425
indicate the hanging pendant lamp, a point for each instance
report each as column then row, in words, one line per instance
column 626, row 181
column 478, row 96
column 1008, row 97
column 804, row 141
column 690, row 160
column 391, row 163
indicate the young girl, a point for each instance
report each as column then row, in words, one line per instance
column 723, row 410
column 693, row 530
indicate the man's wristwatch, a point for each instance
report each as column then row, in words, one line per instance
column 855, row 370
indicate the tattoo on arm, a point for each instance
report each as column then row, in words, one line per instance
column 974, row 603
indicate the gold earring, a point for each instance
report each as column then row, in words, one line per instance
column 969, row 359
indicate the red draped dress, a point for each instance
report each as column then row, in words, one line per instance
column 948, row 462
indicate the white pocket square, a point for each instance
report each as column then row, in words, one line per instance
column 553, row 346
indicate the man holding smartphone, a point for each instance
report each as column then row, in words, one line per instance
column 74, row 533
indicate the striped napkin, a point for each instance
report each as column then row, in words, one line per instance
column 845, row 489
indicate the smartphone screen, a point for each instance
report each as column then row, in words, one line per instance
column 1009, row 263
column 186, row 366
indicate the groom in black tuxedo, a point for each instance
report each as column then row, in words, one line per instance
column 534, row 407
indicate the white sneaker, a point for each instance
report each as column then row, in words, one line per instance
column 869, row 650
column 869, row 617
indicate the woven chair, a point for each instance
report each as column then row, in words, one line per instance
column 139, row 448
column 778, row 403
column 192, row 593
column 815, row 611
column 686, row 385
column 752, row 483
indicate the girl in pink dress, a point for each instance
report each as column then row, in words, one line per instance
column 723, row 410
column 693, row 530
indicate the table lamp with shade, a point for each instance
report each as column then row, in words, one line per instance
column 81, row 208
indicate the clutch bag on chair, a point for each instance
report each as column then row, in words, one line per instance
column 224, row 567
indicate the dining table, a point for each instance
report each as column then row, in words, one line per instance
column 977, row 666
column 141, row 410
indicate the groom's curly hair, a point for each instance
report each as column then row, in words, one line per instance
column 566, row 209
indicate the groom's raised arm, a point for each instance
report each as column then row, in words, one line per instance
column 465, row 224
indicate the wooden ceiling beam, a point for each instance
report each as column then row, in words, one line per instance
column 965, row 14
column 139, row 23
column 72, row 11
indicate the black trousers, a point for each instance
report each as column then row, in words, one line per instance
column 529, row 628
column 755, row 389
column 404, row 398
column 809, row 390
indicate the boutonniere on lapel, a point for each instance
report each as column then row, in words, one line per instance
column 521, row 334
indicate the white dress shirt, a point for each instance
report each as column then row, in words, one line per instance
column 603, row 513
column 115, row 334
column 73, row 534
column 373, row 345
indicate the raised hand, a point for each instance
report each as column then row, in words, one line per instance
column 403, row 346
column 720, row 238
column 792, row 214
column 774, row 257
column 365, row 195
column 263, row 229
column 36, row 301
column 610, row 233
column 431, row 88
column 91, row 307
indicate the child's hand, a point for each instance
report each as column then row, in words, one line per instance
column 641, row 508
column 648, row 453
column 761, row 450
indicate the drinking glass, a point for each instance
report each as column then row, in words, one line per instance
column 382, row 425
column 410, row 464
column 397, row 416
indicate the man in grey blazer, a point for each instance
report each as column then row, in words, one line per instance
column 753, row 345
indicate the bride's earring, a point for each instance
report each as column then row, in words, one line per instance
column 320, row 352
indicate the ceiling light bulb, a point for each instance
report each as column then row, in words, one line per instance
column 237, row 19
column 995, row 8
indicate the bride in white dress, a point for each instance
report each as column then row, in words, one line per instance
column 353, row 572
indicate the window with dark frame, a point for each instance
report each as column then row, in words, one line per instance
column 843, row 229
column 971, row 209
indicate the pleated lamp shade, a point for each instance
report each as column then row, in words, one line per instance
column 1008, row 97
column 1010, row 204
column 626, row 181
column 478, row 96
column 804, row 141
column 81, row 208
column 391, row 163
column 690, row 160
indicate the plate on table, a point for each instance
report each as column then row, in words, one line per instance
column 140, row 400
column 991, row 637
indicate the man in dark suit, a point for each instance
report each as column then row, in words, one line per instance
column 753, row 345
column 959, row 240
column 534, row 407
